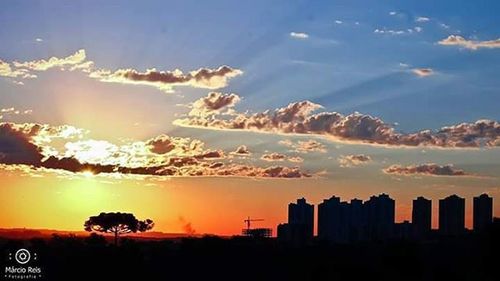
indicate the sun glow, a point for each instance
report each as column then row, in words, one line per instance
column 87, row 174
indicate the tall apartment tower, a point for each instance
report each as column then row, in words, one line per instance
column 380, row 216
column 421, row 217
column 483, row 211
column 301, row 214
column 329, row 222
column 452, row 215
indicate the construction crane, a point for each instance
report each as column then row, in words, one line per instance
column 249, row 220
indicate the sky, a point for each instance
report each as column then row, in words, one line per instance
column 199, row 114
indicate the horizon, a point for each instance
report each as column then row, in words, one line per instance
column 199, row 115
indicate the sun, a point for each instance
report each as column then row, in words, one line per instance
column 87, row 173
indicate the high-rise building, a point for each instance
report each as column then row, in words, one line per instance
column 421, row 217
column 301, row 216
column 452, row 215
column 483, row 211
column 329, row 219
column 340, row 222
column 356, row 232
column 380, row 216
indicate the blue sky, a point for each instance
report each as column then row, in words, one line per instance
column 345, row 67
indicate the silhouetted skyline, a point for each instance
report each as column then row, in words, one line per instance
column 343, row 222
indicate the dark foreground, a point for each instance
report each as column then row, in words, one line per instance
column 471, row 257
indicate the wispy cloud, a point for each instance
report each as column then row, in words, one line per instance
column 422, row 19
column 386, row 31
column 305, row 146
column 353, row 160
column 206, row 78
column 428, row 169
column 423, row 72
column 457, row 40
column 299, row 35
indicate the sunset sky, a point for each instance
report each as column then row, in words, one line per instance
column 197, row 114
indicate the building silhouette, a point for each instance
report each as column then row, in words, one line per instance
column 403, row 230
column 421, row 217
column 358, row 220
column 380, row 216
column 483, row 211
column 452, row 215
column 342, row 222
column 374, row 220
column 300, row 226
column 329, row 221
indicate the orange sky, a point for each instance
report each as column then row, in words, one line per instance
column 210, row 205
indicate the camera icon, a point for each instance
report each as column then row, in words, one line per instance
column 22, row 256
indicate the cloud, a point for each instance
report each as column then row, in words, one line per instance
column 16, row 147
column 299, row 35
column 422, row 72
column 38, row 40
column 296, row 159
column 398, row 31
column 41, row 65
column 11, row 111
column 429, row 169
column 242, row 150
column 164, row 144
column 34, row 145
column 6, row 70
column 214, row 103
column 305, row 146
column 297, row 118
column 353, row 160
column 273, row 157
column 422, row 19
column 389, row 31
column 205, row 78
column 278, row 157
column 457, row 40
column 338, row 22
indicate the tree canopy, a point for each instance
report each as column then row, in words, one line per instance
column 117, row 223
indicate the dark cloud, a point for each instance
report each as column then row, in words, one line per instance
column 297, row 118
column 161, row 144
column 16, row 146
column 164, row 80
column 28, row 144
column 425, row 169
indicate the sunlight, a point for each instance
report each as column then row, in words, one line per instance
column 88, row 174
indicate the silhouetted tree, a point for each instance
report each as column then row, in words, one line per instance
column 117, row 223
